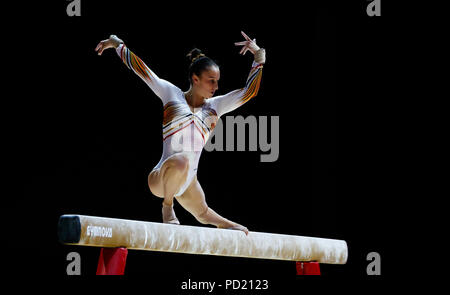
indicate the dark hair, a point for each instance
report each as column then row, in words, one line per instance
column 199, row 63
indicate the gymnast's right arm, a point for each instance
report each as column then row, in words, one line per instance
column 159, row 86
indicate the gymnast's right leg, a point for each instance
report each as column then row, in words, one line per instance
column 166, row 181
column 193, row 200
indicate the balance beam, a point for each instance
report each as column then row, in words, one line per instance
column 152, row 236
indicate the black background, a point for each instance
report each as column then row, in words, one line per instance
column 83, row 132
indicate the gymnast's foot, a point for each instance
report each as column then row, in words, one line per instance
column 235, row 226
column 169, row 214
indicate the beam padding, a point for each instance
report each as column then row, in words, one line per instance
column 141, row 235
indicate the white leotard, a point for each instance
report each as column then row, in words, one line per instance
column 183, row 130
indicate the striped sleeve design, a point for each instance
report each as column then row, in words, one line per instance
column 231, row 101
column 252, row 85
column 159, row 86
column 134, row 63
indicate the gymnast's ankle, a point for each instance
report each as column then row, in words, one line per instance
column 166, row 204
column 168, row 214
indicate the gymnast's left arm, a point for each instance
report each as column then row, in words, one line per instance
column 229, row 102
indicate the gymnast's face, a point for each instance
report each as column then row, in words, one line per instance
column 208, row 82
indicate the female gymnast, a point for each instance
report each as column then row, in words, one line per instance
column 189, row 118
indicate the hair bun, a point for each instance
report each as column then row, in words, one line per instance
column 195, row 54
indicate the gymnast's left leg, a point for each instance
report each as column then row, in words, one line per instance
column 193, row 200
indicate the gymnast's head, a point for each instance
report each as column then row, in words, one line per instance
column 204, row 73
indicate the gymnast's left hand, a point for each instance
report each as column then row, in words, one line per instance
column 248, row 44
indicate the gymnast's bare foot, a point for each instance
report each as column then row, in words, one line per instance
column 235, row 226
column 169, row 214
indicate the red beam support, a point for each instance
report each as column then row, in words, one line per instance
column 308, row 268
column 112, row 261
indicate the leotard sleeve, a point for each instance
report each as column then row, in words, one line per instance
column 160, row 87
column 231, row 101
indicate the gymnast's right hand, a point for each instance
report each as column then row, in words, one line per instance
column 112, row 42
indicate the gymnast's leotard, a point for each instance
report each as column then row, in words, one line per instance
column 183, row 130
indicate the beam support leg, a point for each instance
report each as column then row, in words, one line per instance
column 308, row 268
column 112, row 261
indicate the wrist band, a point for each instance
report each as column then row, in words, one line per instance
column 260, row 56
